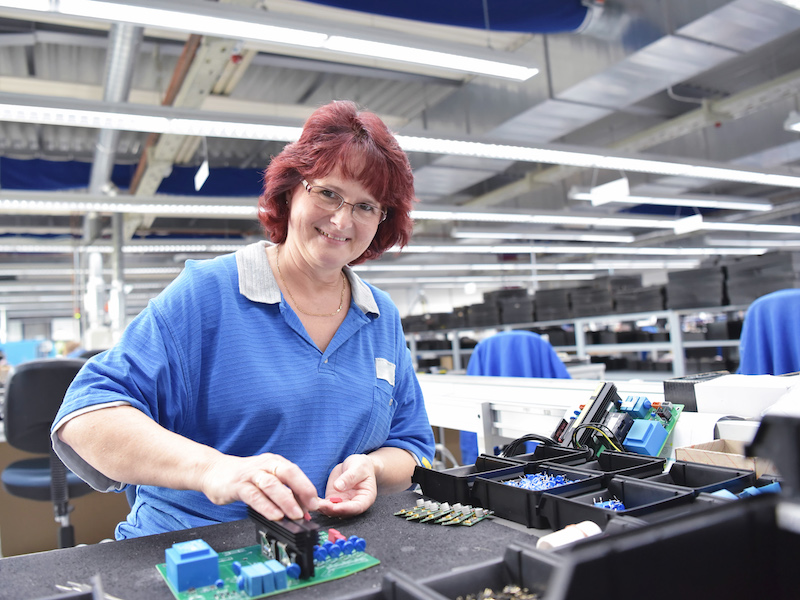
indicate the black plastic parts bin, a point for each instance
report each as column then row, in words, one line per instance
column 625, row 463
column 455, row 485
column 705, row 478
column 521, row 505
column 554, row 454
column 640, row 497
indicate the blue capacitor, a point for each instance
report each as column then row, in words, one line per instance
column 293, row 571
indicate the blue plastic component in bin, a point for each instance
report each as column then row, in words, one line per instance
column 645, row 437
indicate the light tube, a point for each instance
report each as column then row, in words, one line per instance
column 791, row 3
column 696, row 201
column 432, row 58
column 108, row 119
column 202, row 18
column 546, row 249
column 565, row 237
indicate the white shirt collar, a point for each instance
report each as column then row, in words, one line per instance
column 257, row 281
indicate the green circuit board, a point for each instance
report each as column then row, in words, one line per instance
column 331, row 569
column 669, row 425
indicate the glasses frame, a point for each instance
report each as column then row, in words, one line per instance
column 308, row 187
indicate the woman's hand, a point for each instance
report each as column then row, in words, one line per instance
column 352, row 487
column 272, row 485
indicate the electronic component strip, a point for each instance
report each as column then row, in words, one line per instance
column 428, row 511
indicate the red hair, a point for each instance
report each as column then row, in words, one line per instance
column 358, row 143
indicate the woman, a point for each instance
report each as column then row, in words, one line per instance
column 274, row 376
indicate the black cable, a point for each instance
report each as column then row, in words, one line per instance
column 602, row 429
column 512, row 447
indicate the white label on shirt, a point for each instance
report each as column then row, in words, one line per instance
column 384, row 370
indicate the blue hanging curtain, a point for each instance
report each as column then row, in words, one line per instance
column 50, row 175
column 531, row 16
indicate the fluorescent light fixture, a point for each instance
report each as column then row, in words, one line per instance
column 604, row 265
column 107, row 119
column 577, row 249
column 688, row 224
column 420, row 56
column 539, row 219
column 609, row 192
column 25, row 245
column 577, row 158
column 793, row 122
column 37, row 5
column 500, row 279
column 564, row 237
column 752, row 227
column 38, row 203
column 694, row 201
column 244, row 23
column 790, row 3
column 754, row 243
column 191, row 22
column 105, row 115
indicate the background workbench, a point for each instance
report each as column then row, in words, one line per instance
column 128, row 568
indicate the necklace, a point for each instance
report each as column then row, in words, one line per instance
column 341, row 297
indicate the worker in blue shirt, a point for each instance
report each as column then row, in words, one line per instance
column 273, row 377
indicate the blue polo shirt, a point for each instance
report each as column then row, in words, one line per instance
column 219, row 357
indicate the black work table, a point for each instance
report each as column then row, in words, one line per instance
column 128, row 568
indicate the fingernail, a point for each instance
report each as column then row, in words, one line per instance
column 339, row 485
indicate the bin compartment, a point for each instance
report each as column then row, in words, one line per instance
column 639, row 497
column 522, row 505
column 455, row 485
column 705, row 478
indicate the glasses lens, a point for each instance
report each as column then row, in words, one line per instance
column 325, row 198
column 363, row 212
column 367, row 213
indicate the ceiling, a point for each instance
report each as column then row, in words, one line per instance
column 704, row 82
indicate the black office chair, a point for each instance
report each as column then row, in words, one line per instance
column 33, row 395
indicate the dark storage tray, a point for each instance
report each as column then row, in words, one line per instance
column 701, row 502
column 640, row 497
column 734, row 551
column 625, row 463
column 553, row 454
column 705, row 478
column 520, row 565
column 521, row 505
column 455, row 485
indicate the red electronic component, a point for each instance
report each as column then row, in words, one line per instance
column 334, row 535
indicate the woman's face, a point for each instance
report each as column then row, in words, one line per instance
column 330, row 239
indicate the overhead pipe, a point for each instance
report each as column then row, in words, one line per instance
column 124, row 41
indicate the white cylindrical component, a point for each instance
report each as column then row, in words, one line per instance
column 568, row 535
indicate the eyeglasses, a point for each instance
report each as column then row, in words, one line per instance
column 363, row 212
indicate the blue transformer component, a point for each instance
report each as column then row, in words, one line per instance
column 645, row 437
column 191, row 564
column 637, row 406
